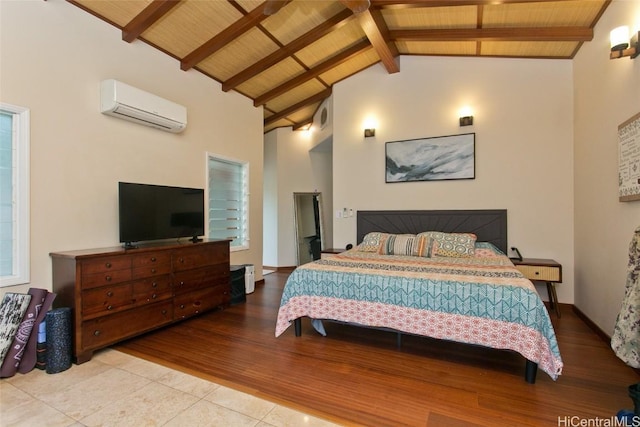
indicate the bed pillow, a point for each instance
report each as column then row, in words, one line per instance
column 398, row 244
column 371, row 242
column 422, row 246
column 487, row 250
column 457, row 245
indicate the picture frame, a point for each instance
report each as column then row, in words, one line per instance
column 629, row 159
column 439, row 158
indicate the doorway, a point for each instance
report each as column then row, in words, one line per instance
column 309, row 230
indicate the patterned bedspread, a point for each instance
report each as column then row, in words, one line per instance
column 481, row 300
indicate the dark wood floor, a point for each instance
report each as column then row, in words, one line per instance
column 358, row 376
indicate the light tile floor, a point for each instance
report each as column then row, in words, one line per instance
column 116, row 389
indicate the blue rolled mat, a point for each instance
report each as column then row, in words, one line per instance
column 58, row 330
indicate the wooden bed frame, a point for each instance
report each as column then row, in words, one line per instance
column 487, row 225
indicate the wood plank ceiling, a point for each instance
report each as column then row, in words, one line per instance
column 288, row 61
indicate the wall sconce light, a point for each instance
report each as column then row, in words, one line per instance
column 621, row 45
column 466, row 121
column 369, row 125
column 466, row 116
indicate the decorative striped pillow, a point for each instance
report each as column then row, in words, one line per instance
column 398, row 244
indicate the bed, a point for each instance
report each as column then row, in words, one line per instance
column 438, row 274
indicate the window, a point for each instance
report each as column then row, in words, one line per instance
column 14, row 195
column 228, row 190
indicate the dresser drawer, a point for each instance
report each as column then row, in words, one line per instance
column 190, row 258
column 106, row 300
column 151, row 258
column 154, row 289
column 151, row 270
column 107, row 330
column 541, row 272
column 105, row 264
column 106, row 278
column 196, row 302
column 186, row 281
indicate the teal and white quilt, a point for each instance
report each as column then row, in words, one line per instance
column 481, row 300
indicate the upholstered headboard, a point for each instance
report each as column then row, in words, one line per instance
column 488, row 225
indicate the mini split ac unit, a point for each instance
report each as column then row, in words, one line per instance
column 129, row 103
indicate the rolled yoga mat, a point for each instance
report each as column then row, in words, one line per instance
column 58, row 330
column 29, row 356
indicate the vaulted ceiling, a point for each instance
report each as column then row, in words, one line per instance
column 286, row 55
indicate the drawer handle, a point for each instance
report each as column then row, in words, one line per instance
column 181, row 305
column 96, row 333
column 153, row 270
column 107, row 278
column 153, row 259
column 164, row 311
column 181, row 283
column 108, row 265
column 109, row 294
column 154, row 285
column 537, row 273
column 109, row 307
column 154, row 296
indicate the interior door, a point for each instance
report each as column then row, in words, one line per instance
column 308, row 226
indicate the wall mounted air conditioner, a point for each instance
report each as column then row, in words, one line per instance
column 129, row 103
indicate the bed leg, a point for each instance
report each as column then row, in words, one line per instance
column 530, row 371
column 297, row 324
column 399, row 340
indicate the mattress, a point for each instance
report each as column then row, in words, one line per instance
column 482, row 300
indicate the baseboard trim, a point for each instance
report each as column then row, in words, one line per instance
column 602, row 334
column 280, row 269
column 595, row 328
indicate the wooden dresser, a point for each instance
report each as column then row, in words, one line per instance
column 116, row 294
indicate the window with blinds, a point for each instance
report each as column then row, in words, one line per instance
column 228, row 214
column 14, row 195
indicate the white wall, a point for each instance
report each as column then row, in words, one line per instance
column 271, row 200
column 298, row 170
column 606, row 93
column 53, row 57
column 523, row 116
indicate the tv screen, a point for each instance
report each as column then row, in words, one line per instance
column 154, row 212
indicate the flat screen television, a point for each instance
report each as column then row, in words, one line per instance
column 156, row 212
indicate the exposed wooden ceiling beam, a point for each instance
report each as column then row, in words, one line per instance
column 145, row 19
column 313, row 73
column 332, row 24
column 407, row 4
column 300, row 105
column 374, row 26
column 356, row 6
column 219, row 41
column 495, row 34
column 273, row 6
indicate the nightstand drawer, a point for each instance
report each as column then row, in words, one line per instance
column 540, row 272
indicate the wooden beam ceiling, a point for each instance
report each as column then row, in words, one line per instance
column 149, row 15
column 219, row 41
column 370, row 16
column 377, row 32
column 495, row 34
column 296, row 45
column 302, row 104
